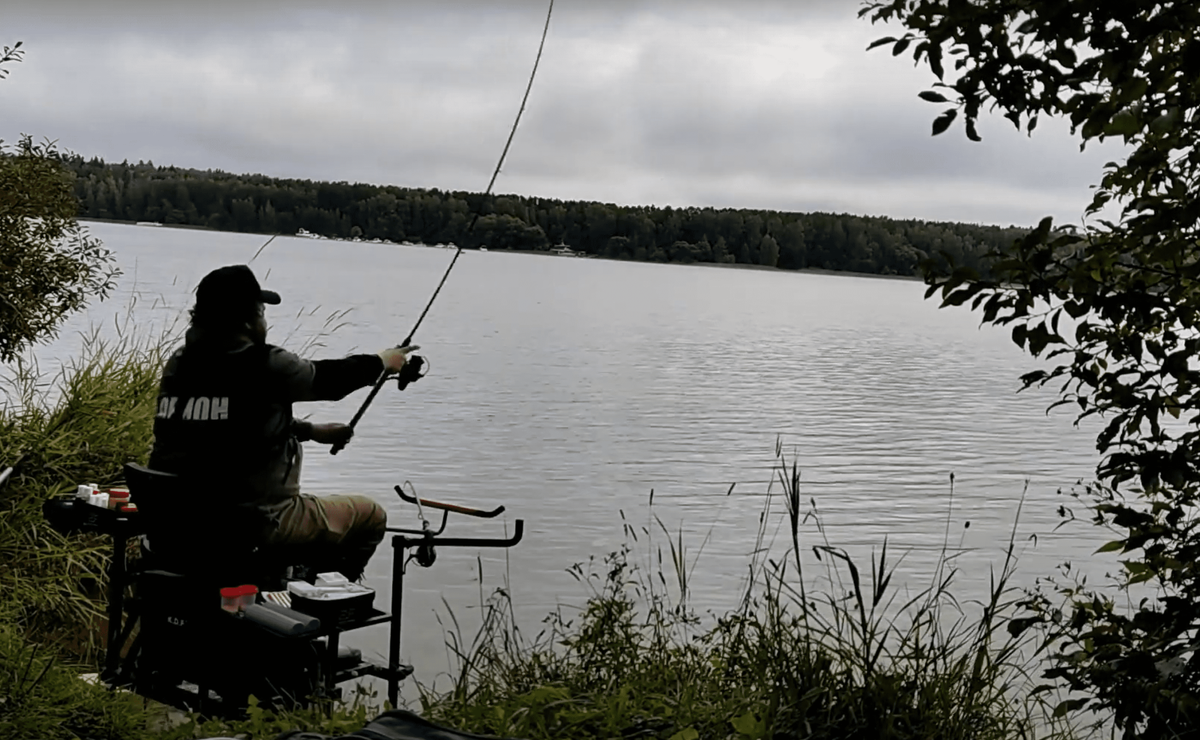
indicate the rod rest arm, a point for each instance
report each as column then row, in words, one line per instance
column 400, row 540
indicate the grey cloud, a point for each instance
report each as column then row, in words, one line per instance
column 761, row 104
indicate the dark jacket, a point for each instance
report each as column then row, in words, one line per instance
column 225, row 412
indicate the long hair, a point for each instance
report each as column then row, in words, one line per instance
column 225, row 322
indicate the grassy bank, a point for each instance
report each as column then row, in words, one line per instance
column 858, row 657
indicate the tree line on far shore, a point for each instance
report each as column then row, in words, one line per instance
column 257, row 203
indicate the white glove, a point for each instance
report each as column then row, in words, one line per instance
column 394, row 358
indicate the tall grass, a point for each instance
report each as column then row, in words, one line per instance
column 852, row 659
column 41, row 698
column 79, row 426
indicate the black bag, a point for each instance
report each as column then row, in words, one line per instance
column 397, row 724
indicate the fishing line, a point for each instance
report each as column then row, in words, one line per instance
column 458, row 250
column 495, row 172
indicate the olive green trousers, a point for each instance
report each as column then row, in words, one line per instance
column 345, row 529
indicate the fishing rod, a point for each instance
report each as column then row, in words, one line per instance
column 411, row 372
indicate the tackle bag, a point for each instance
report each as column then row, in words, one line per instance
column 396, row 724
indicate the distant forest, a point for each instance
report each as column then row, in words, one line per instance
column 267, row 205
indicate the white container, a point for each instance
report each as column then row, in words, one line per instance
column 332, row 579
column 84, row 492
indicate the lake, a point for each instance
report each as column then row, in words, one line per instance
column 568, row 389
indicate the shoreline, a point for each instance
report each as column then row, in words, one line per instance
column 723, row 265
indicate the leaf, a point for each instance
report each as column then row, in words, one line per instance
column 1135, row 90
column 748, row 724
column 1124, row 123
column 1110, row 547
column 972, row 134
column 942, row 122
column 900, row 46
column 688, row 733
column 933, row 97
column 1018, row 336
column 1017, row 626
column 1069, row 705
column 880, row 42
column 935, row 61
column 1034, row 377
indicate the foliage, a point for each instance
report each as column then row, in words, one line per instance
column 857, row 660
column 10, row 54
column 42, row 698
column 1130, row 291
column 80, row 427
column 55, row 433
column 255, row 203
column 333, row 719
column 51, row 266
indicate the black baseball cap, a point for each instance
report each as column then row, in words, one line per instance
column 231, row 289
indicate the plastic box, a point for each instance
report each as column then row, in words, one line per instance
column 336, row 611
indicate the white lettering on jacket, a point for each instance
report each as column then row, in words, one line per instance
column 199, row 408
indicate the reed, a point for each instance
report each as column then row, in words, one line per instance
column 852, row 659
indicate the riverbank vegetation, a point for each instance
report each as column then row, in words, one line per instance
column 56, row 432
column 1128, row 287
column 267, row 205
column 855, row 656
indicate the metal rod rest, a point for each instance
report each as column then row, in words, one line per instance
column 518, row 526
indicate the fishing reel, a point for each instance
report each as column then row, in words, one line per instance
column 411, row 372
column 425, row 555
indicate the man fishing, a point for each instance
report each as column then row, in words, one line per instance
column 225, row 415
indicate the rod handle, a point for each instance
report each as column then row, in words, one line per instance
column 456, row 508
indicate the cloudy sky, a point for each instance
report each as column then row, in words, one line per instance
column 753, row 104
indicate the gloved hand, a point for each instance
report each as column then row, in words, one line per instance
column 331, row 434
column 394, row 358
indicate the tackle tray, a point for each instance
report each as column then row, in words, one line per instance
column 336, row 612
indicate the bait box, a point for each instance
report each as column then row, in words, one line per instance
column 335, row 612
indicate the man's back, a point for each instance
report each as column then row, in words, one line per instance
column 224, row 413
